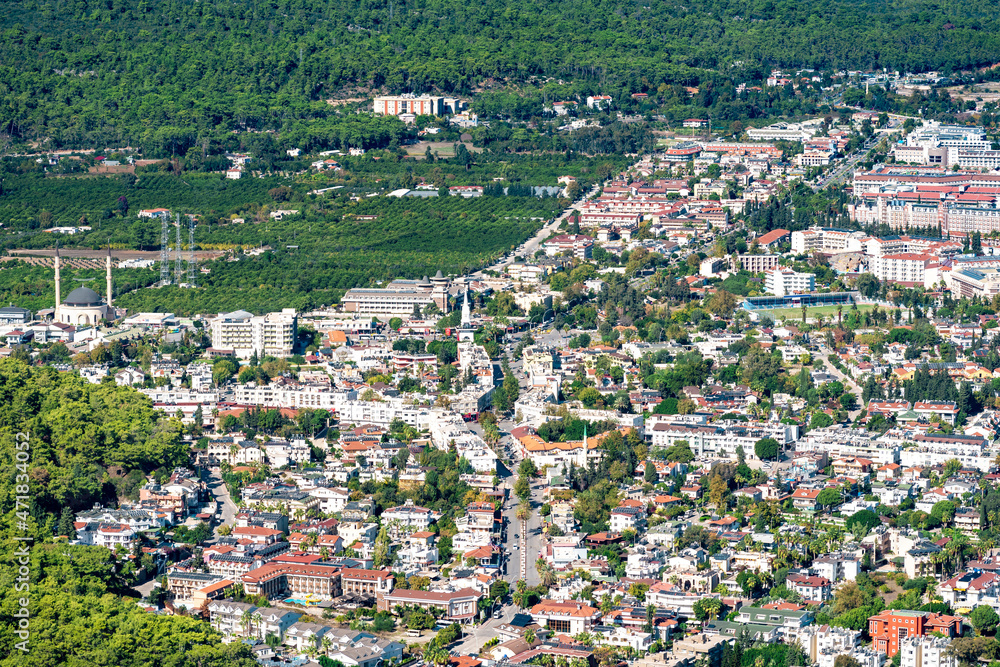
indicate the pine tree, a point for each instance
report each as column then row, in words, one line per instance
column 380, row 555
column 66, row 523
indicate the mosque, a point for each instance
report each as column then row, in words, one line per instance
column 83, row 306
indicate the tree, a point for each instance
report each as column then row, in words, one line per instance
column 766, row 448
column 381, row 555
column 66, row 523
column 866, row 518
column 722, row 303
column 707, row 608
column 649, row 473
column 522, row 488
column 984, row 619
column 717, row 489
column 828, row 497
column 845, row 660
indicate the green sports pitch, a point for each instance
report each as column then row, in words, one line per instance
column 811, row 311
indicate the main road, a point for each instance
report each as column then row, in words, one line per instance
column 841, row 171
column 532, row 244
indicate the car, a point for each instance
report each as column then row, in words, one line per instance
column 498, row 614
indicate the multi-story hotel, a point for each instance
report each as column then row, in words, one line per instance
column 244, row 333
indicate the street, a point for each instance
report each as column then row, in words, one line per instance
column 531, row 245
column 841, row 172
column 824, row 352
column 221, row 493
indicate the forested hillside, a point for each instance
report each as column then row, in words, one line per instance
column 79, row 618
column 170, row 74
column 84, row 440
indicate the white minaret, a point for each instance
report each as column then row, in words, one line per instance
column 466, row 311
column 58, row 299
column 108, row 267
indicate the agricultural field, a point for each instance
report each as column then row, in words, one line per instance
column 319, row 254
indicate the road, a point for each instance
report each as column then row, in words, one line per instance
column 840, row 173
column 472, row 642
column 221, row 493
column 825, row 352
column 532, row 244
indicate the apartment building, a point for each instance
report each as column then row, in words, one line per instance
column 576, row 244
column 394, row 105
column 812, row 589
column 780, row 281
column 272, row 579
column 365, row 583
column 826, row 240
column 889, row 628
column 926, row 652
column 459, row 605
column 245, row 334
column 756, row 263
column 288, row 393
column 903, row 268
column 407, row 518
column 970, row 589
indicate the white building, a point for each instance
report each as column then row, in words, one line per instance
column 272, row 334
column 781, row 281
column 906, row 268
column 394, row 105
column 926, row 652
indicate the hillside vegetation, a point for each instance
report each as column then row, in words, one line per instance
column 84, row 439
column 170, row 74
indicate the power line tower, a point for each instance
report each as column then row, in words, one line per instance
column 178, row 266
column 165, row 250
column 191, row 263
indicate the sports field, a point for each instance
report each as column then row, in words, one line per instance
column 813, row 311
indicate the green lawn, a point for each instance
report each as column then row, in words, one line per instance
column 814, row 311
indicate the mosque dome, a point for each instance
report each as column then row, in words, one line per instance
column 83, row 297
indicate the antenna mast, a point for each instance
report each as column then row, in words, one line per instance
column 178, row 268
column 191, row 263
column 165, row 250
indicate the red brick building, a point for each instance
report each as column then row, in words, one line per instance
column 893, row 625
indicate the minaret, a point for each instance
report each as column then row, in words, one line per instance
column 108, row 267
column 58, row 298
column 466, row 311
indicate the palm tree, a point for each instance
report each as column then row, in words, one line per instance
column 523, row 512
column 437, row 655
column 327, row 645
column 246, row 620
column 545, row 571
column 258, row 620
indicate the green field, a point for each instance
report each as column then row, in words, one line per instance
column 814, row 311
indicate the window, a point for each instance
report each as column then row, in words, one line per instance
column 559, row 626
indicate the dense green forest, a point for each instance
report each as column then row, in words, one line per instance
column 167, row 75
column 79, row 617
column 84, row 440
